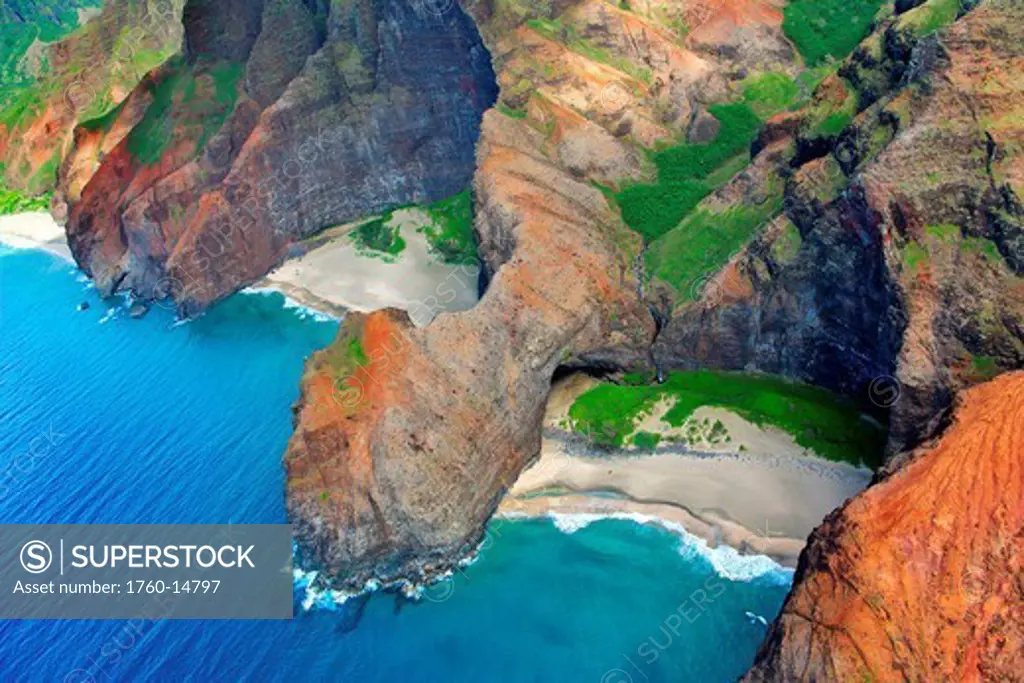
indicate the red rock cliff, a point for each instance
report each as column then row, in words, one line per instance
column 921, row 577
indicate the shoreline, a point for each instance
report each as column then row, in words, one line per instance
column 762, row 498
column 706, row 495
column 35, row 230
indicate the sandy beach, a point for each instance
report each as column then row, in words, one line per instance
column 36, row 230
column 336, row 275
column 764, row 500
column 759, row 493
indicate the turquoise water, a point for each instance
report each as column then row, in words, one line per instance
column 107, row 419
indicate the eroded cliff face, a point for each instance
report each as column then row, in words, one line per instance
column 894, row 270
column 278, row 119
column 78, row 80
column 919, row 577
column 407, row 438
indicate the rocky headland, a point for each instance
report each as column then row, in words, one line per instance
column 919, row 577
column 658, row 187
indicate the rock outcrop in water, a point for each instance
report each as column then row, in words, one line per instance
column 919, row 578
column 278, row 119
column 407, row 438
column 859, row 283
column 872, row 245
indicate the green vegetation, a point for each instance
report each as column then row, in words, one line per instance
column 198, row 97
column 705, row 241
column 646, row 441
column 825, row 30
column 770, row 93
column 930, row 17
column 739, row 126
column 915, row 257
column 785, row 248
column 984, row 367
column 378, row 235
column 986, row 247
column 947, row 234
column 451, row 234
column 569, row 36
column 12, row 201
column 22, row 23
column 510, row 112
column 827, row 118
column 687, row 173
column 344, row 358
column 951, row 235
column 831, row 426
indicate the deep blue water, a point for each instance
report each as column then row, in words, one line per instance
column 143, row 421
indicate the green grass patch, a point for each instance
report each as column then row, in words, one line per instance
column 688, row 173
column 946, row 234
column 984, row 368
column 179, row 108
column 705, row 241
column 646, row 441
column 930, row 17
column 510, row 112
column 451, row 234
column 739, row 126
column 12, row 201
column 825, row 30
column 786, row 247
column 653, row 210
column 832, row 426
column 985, row 247
column 915, row 257
column 768, row 94
column 345, row 357
column 378, row 235
column 569, row 36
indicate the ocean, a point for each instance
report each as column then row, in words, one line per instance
column 106, row 419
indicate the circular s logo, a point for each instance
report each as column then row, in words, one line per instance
column 36, row 557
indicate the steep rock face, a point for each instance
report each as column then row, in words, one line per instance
column 895, row 271
column 407, row 438
column 279, row 119
column 77, row 80
column 919, row 578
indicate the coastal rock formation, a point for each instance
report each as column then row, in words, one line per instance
column 407, row 438
column 894, row 270
column 278, row 119
column 919, row 577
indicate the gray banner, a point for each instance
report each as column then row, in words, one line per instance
column 146, row 571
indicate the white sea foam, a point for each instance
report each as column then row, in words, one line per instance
column 726, row 561
column 301, row 310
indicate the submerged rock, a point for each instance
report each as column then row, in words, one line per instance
column 138, row 309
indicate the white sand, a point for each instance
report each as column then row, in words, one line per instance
column 36, row 230
column 766, row 499
column 336, row 275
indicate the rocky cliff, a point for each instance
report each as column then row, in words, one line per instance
column 51, row 86
column 893, row 270
column 875, row 250
column 659, row 185
column 919, row 577
column 276, row 120
column 407, row 438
